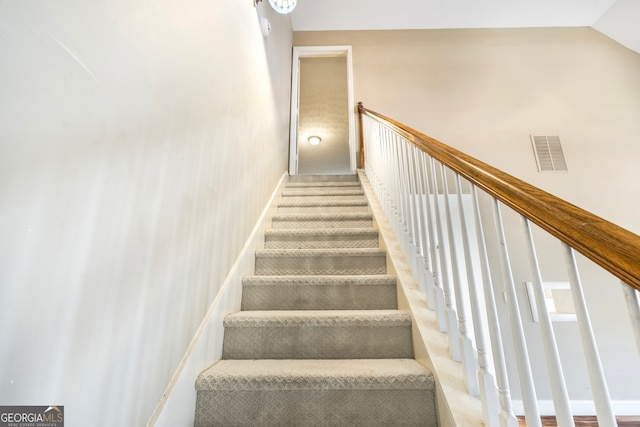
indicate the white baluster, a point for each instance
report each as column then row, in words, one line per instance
column 633, row 302
column 487, row 387
column 554, row 367
column 415, row 196
column 400, row 201
column 403, row 195
column 397, row 192
column 436, row 278
column 451, row 290
column 373, row 147
column 529, row 400
column 412, row 244
column 371, row 153
column 594, row 367
column 409, row 204
column 444, row 272
column 390, row 210
column 466, row 344
column 426, row 272
column 393, row 213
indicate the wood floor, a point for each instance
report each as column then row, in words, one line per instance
column 586, row 421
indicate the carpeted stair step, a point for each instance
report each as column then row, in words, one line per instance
column 323, row 178
column 304, row 393
column 317, row 334
column 321, row 238
column 279, row 262
column 345, row 199
column 376, row 292
column 325, row 184
column 319, row 340
column 289, row 206
column 317, row 192
column 322, row 220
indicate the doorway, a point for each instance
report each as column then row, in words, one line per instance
column 322, row 111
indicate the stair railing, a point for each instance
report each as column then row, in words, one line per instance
column 439, row 201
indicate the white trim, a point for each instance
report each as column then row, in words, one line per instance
column 582, row 407
column 244, row 261
column 319, row 52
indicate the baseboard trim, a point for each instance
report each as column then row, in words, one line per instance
column 234, row 276
column 582, row 407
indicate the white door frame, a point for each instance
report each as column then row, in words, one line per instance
column 319, row 52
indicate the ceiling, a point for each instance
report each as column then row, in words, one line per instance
column 324, row 15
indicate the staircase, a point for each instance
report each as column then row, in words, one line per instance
column 319, row 340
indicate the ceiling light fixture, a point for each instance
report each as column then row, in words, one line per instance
column 280, row 6
column 314, row 140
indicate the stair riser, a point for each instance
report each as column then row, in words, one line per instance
column 319, row 185
column 308, row 297
column 318, row 342
column 321, row 242
column 320, row 223
column 318, row 408
column 326, row 191
column 323, row 178
column 288, row 210
column 307, row 265
column 324, row 199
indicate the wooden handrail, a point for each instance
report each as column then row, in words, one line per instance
column 612, row 247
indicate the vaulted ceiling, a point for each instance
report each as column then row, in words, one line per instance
column 315, row 15
column 617, row 19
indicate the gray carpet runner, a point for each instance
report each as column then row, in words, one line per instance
column 319, row 340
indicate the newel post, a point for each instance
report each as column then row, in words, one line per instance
column 360, row 136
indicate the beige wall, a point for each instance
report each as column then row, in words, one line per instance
column 139, row 143
column 324, row 113
column 486, row 91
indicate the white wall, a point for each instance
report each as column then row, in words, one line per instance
column 620, row 22
column 176, row 407
column 139, row 143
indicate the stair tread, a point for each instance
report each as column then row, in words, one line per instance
column 321, row 231
column 313, row 253
column 310, row 374
column 326, row 280
column 315, row 191
column 328, row 292
column 322, row 216
column 341, row 201
column 317, row 318
column 346, row 184
column 324, row 178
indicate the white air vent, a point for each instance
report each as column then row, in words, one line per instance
column 548, row 153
